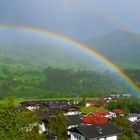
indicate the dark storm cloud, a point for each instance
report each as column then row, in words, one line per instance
column 74, row 18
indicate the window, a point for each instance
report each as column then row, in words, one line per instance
column 79, row 137
column 74, row 135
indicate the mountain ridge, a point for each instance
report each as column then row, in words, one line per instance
column 121, row 47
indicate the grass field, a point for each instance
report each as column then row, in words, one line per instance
column 16, row 102
column 86, row 110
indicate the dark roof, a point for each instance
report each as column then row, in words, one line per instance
column 71, row 107
column 138, row 133
column 136, row 126
column 47, row 103
column 97, row 130
column 134, row 115
column 74, row 120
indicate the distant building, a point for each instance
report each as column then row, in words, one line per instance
column 105, row 131
column 126, row 95
column 99, row 104
column 76, row 101
column 112, row 115
column 136, row 127
column 107, row 99
column 74, row 121
column 133, row 117
column 45, row 104
column 94, row 104
column 96, row 117
column 115, row 96
column 89, row 104
column 71, row 110
column 118, row 112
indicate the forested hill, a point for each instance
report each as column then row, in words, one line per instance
column 25, row 82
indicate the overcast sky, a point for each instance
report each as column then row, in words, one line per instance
column 80, row 19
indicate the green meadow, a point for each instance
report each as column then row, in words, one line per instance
column 86, row 110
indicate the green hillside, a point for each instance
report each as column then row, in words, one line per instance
column 25, row 82
column 33, row 69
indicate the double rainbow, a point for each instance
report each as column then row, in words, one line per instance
column 77, row 44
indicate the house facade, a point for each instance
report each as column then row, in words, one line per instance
column 71, row 110
column 106, row 131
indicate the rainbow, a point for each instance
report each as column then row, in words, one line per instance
column 77, row 44
column 109, row 18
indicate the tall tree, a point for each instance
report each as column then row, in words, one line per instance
column 58, row 125
column 17, row 124
column 128, row 131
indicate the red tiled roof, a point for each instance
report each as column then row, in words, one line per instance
column 96, row 118
column 118, row 111
column 101, row 113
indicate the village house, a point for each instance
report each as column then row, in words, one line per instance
column 76, row 101
column 99, row 117
column 89, row 104
column 94, row 104
column 133, row 117
column 74, row 120
column 96, row 118
column 71, row 110
column 126, row 95
column 107, row 99
column 45, row 104
column 115, row 96
column 118, row 112
column 136, row 127
column 30, row 105
column 112, row 115
column 99, row 104
column 107, row 131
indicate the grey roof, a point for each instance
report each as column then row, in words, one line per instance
column 69, row 107
column 74, row 120
column 136, row 127
column 97, row 130
column 134, row 115
column 46, row 103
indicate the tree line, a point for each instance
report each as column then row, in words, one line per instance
column 55, row 82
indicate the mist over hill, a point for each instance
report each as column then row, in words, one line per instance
column 121, row 47
column 33, row 50
column 45, row 55
column 31, row 67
